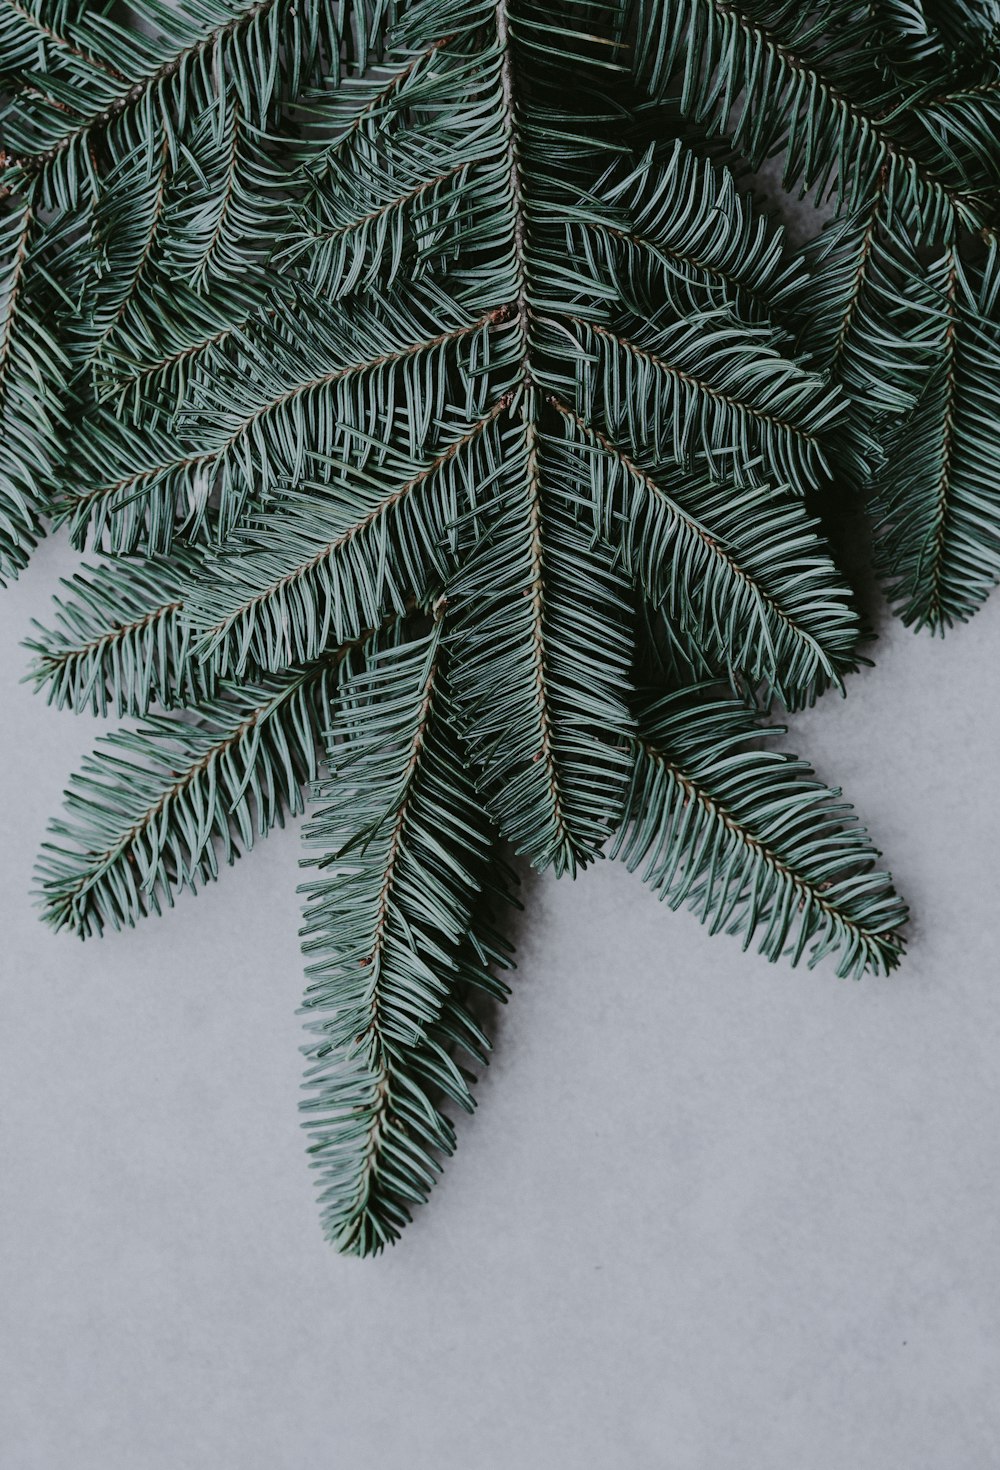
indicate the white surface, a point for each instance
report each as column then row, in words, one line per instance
column 711, row 1215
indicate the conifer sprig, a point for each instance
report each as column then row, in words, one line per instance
column 121, row 641
column 751, row 840
column 397, row 942
column 156, row 809
column 894, row 112
column 419, row 395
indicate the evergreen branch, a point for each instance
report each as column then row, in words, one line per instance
column 685, row 224
column 63, row 42
column 858, row 279
column 541, row 653
column 691, row 269
column 669, row 390
column 936, row 494
column 262, row 422
column 338, row 553
column 860, row 327
column 221, row 228
column 791, row 82
column 154, row 810
column 558, row 840
column 343, row 248
column 230, row 199
column 121, row 642
column 31, row 368
column 143, row 88
column 18, row 514
column 387, row 931
column 156, row 359
column 752, row 841
column 460, row 352
column 380, row 93
column 154, row 482
column 16, row 245
column 371, row 365
column 129, row 216
column 698, row 384
column 934, row 562
column 758, row 592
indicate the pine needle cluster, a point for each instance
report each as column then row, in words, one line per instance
column 455, row 436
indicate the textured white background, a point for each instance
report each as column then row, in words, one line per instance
column 710, row 1215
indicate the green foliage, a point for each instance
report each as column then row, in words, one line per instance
column 939, row 486
column 429, row 391
column 396, row 938
column 752, row 840
column 31, row 362
column 893, row 111
column 156, row 809
column 122, row 641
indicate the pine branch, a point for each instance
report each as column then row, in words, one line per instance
column 229, row 198
column 398, row 203
column 157, row 809
column 126, row 223
column 23, row 20
column 752, row 841
column 340, row 551
column 339, row 129
column 683, row 232
column 321, row 560
column 740, row 571
column 541, row 661
column 45, row 133
column 113, row 133
column 937, row 496
column 264, row 395
column 31, row 365
column 810, row 87
column 387, row 931
column 425, row 409
column 679, row 379
column 162, row 352
column 916, row 343
column 122, row 642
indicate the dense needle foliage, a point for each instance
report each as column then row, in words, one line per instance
column 456, row 434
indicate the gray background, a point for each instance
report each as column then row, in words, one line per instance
column 710, row 1215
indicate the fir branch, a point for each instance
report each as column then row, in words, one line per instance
column 158, row 355
column 156, row 809
column 808, row 87
column 936, row 496
column 18, row 514
column 752, row 841
column 702, row 246
column 541, row 660
column 32, row 366
column 387, row 931
column 62, row 41
column 458, row 352
column 121, row 641
column 378, row 93
column 676, row 377
column 128, row 219
column 860, row 327
column 339, row 552
column 741, row 570
column 229, row 199
column 146, row 86
column 259, row 408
